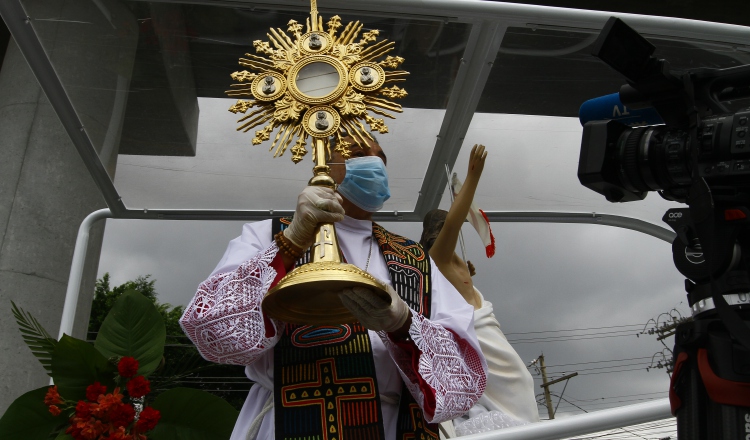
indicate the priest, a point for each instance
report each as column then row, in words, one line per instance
column 403, row 367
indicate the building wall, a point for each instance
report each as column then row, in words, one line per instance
column 45, row 193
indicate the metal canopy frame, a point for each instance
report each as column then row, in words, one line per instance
column 489, row 21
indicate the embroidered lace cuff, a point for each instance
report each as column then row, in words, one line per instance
column 224, row 319
column 447, row 364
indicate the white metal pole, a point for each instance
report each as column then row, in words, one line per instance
column 76, row 271
column 582, row 424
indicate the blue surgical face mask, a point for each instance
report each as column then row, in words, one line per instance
column 366, row 183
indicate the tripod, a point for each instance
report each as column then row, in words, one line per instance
column 710, row 388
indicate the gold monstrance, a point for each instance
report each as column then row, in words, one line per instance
column 317, row 84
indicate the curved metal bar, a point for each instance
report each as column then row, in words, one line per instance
column 591, row 218
column 515, row 14
column 582, row 424
column 76, row 271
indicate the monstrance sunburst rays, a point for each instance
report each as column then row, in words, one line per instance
column 366, row 84
column 314, row 85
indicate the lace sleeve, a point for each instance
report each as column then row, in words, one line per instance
column 449, row 378
column 224, row 319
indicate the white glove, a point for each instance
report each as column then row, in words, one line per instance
column 315, row 205
column 373, row 312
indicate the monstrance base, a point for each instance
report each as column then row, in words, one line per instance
column 309, row 294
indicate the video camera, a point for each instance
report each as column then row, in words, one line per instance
column 624, row 163
column 681, row 139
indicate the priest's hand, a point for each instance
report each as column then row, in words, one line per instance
column 315, row 204
column 373, row 312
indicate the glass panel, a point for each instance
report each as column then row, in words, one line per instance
column 543, row 71
column 228, row 172
column 532, row 165
column 149, row 81
column 92, row 46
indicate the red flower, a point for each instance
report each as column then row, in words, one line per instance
column 120, row 434
column 121, row 415
column 54, row 410
column 83, row 410
column 127, row 367
column 94, row 390
column 138, row 386
column 93, row 429
column 52, row 397
column 148, row 419
column 106, row 403
column 75, row 428
column 86, row 430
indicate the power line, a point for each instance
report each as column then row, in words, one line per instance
column 617, row 371
column 584, row 334
column 603, row 368
column 615, row 397
column 613, row 404
column 565, row 338
column 576, row 329
column 599, row 362
column 607, row 372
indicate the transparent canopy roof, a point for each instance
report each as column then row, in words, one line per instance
column 146, row 82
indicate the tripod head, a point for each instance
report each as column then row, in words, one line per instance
column 714, row 254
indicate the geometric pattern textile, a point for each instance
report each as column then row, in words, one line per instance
column 324, row 381
column 339, row 356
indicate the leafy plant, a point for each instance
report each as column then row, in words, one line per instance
column 183, row 365
column 130, row 329
column 42, row 345
column 101, row 390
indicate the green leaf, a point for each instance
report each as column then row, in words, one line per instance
column 28, row 418
column 64, row 436
column 133, row 328
column 188, row 414
column 35, row 336
column 76, row 364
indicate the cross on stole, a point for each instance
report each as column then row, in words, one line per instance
column 328, row 391
column 325, row 238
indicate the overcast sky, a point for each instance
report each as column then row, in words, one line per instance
column 577, row 293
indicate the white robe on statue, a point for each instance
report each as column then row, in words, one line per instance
column 225, row 322
column 510, row 387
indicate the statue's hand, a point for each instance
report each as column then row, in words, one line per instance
column 476, row 161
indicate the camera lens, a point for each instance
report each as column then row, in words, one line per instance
column 653, row 158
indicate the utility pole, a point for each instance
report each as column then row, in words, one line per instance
column 663, row 331
column 547, row 397
column 546, row 383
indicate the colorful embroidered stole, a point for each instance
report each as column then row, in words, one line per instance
column 325, row 386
